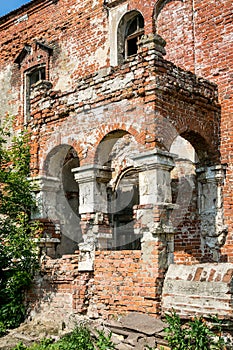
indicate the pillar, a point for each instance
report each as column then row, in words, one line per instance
column 152, row 215
column 45, row 190
column 93, row 209
column 210, row 206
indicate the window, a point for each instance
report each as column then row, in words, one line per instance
column 133, row 33
column 130, row 30
column 32, row 77
column 36, row 75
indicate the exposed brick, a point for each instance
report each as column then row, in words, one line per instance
column 86, row 100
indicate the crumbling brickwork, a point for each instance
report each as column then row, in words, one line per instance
column 129, row 107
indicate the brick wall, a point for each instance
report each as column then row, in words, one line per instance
column 59, row 289
column 202, row 289
column 85, row 99
column 122, row 281
column 199, row 38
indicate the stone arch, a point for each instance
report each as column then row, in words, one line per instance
column 61, row 198
column 116, row 151
column 159, row 5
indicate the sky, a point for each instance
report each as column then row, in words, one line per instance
column 10, row 5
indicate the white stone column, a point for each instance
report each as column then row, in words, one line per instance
column 45, row 190
column 210, row 206
column 92, row 181
column 93, row 209
column 153, row 213
column 154, row 176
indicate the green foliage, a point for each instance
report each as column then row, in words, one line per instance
column 79, row 339
column 104, row 342
column 196, row 335
column 17, row 251
column 176, row 335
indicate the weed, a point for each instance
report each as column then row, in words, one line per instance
column 195, row 335
column 79, row 339
column 104, row 342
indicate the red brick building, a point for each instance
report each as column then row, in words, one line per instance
column 129, row 106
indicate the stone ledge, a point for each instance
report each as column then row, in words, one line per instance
column 202, row 289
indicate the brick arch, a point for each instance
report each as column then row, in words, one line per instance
column 119, row 129
column 53, row 144
column 56, row 158
column 159, row 5
column 202, row 134
column 203, row 149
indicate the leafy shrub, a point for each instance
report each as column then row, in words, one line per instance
column 104, row 342
column 17, row 251
column 79, row 339
column 195, row 335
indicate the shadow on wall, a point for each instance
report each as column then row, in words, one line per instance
column 58, row 199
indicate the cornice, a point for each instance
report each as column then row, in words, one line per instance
column 22, row 13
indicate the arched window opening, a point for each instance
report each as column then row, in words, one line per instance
column 61, row 199
column 130, row 30
column 122, row 201
column 117, row 151
column 134, row 32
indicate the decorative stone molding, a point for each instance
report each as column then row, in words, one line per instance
column 92, row 180
column 154, row 169
column 153, row 42
column 210, row 205
column 45, row 189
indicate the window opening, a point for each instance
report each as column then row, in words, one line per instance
column 31, row 78
column 123, row 200
column 130, row 30
column 133, row 33
column 37, row 75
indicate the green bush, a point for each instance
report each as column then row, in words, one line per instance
column 18, row 259
column 194, row 335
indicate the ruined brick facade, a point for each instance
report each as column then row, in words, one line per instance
column 129, row 107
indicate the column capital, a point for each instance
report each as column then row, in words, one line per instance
column 154, row 159
column 93, row 172
column 92, row 180
column 214, row 173
column 46, row 183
